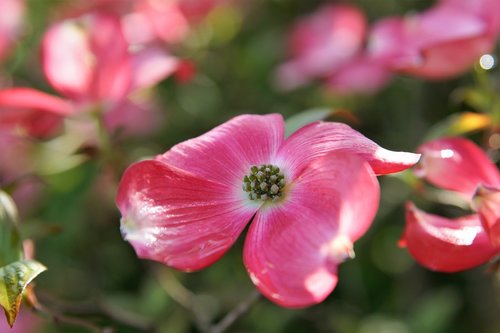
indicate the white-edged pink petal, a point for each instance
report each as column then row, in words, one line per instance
column 177, row 218
column 293, row 247
column 320, row 138
column 456, row 164
column 226, row 153
column 446, row 245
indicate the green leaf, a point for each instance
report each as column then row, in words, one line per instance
column 13, row 280
column 10, row 241
column 306, row 117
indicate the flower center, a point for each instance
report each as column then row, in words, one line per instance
column 264, row 182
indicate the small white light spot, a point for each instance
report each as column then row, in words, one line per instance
column 447, row 153
column 487, row 61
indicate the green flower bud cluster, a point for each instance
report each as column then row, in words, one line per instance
column 265, row 182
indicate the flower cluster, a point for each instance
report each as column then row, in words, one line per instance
column 438, row 43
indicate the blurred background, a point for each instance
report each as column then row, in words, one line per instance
column 190, row 65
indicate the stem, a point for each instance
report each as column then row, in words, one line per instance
column 188, row 300
column 93, row 308
column 183, row 297
column 58, row 318
column 236, row 313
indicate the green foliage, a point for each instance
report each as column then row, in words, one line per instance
column 14, row 278
column 96, row 277
column 10, row 241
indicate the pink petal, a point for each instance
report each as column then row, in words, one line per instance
column 390, row 44
column 33, row 111
column 439, row 43
column 488, row 10
column 446, row 245
column 444, row 23
column 456, row 164
column 360, row 75
column 320, row 138
column 112, row 76
column 157, row 20
column 67, row 60
column 87, row 58
column 293, row 247
column 226, row 153
column 151, row 65
column 321, row 43
column 177, row 218
column 487, row 203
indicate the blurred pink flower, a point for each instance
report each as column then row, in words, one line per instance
column 149, row 21
column 88, row 61
column 329, row 45
column 11, row 21
column 451, row 245
column 321, row 42
column 310, row 196
column 438, row 43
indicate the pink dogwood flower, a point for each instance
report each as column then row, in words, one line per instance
column 322, row 42
column 451, row 245
column 88, row 61
column 439, row 43
column 308, row 197
column 329, row 45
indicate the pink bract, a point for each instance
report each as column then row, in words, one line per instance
column 456, row 164
column 31, row 112
column 439, row 43
column 187, row 207
column 451, row 245
column 321, row 43
column 447, row 245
